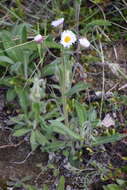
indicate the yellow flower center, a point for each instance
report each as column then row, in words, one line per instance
column 67, row 39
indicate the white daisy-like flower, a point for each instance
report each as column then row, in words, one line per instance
column 84, row 42
column 67, row 38
column 58, row 22
column 38, row 38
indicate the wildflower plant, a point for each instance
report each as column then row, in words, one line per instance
column 42, row 125
column 51, row 116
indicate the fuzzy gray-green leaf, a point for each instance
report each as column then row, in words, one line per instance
column 108, row 139
column 21, row 132
column 77, row 88
column 61, row 185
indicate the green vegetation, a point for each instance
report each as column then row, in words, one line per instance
column 51, row 82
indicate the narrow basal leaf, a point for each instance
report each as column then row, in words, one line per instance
column 62, row 129
column 61, row 185
column 51, row 68
column 40, row 138
column 108, row 139
column 77, row 88
column 5, row 59
column 29, row 187
column 5, row 81
column 21, row 132
column 112, row 187
column 16, row 67
column 99, row 22
column 10, row 46
column 56, row 145
column 81, row 112
column 51, row 44
column 45, row 187
column 78, row 1
column 92, row 115
column 11, row 94
column 23, row 98
column 24, row 34
column 33, row 141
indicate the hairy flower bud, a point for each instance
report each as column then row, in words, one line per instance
column 38, row 39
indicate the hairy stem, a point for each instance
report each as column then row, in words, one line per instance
column 63, row 91
column 64, row 96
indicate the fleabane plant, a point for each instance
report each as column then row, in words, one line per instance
column 41, row 124
column 68, row 39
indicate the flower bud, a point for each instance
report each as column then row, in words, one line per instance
column 58, row 22
column 84, row 42
column 38, row 38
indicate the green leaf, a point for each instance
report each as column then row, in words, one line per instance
column 15, row 67
column 30, row 187
column 18, row 28
column 40, row 138
column 23, row 98
column 54, row 113
column 108, row 139
column 55, row 145
column 61, row 185
column 112, row 187
column 33, row 141
column 99, row 22
column 120, row 181
column 5, row 61
column 62, row 129
column 77, row 88
column 11, row 94
column 45, row 187
column 5, row 81
column 24, row 34
column 51, row 68
column 21, row 132
column 36, row 110
column 92, row 115
column 51, row 44
column 81, row 112
column 79, row 1
column 10, row 46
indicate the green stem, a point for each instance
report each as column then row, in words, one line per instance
column 25, row 68
column 36, row 111
column 77, row 15
column 64, row 98
column 103, row 79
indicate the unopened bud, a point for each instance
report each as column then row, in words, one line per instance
column 84, row 42
column 38, row 39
